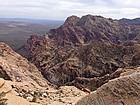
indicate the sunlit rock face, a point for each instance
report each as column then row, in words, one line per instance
column 124, row 90
column 16, row 68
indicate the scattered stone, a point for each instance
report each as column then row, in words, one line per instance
column 86, row 90
column 44, row 95
column 30, row 99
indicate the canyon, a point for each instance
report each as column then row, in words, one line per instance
column 91, row 53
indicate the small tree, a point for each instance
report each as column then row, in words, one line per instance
column 2, row 99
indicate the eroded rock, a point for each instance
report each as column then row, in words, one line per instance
column 124, row 90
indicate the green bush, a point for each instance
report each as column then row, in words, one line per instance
column 93, row 88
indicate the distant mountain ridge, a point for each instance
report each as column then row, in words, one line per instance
column 90, row 28
column 135, row 21
column 16, row 31
column 39, row 21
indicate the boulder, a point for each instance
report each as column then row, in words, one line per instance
column 124, row 90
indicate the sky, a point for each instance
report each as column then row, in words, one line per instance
column 61, row 9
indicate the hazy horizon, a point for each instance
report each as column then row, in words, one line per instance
column 61, row 9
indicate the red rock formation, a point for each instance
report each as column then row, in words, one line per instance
column 71, row 21
column 90, row 47
column 90, row 28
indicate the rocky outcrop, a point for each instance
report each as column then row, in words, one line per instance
column 93, row 83
column 92, row 28
column 85, row 30
column 84, row 65
column 16, row 68
column 96, row 63
column 71, row 21
column 124, row 90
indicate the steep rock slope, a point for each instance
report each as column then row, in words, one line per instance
column 92, row 28
column 124, row 90
column 16, row 68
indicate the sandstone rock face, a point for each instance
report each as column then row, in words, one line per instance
column 124, row 90
column 71, row 21
column 92, row 28
column 85, row 30
column 16, row 68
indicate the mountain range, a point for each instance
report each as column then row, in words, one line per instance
column 86, row 47
column 92, row 53
column 39, row 21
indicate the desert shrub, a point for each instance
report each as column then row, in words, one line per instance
column 93, row 88
column 34, row 98
column 2, row 99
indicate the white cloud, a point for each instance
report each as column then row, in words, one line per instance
column 60, row 9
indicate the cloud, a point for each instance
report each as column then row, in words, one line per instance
column 61, row 9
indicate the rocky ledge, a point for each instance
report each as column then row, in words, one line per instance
column 124, row 90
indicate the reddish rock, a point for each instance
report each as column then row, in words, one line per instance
column 71, row 21
column 90, row 47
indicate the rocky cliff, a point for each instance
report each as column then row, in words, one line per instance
column 16, row 68
column 84, row 65
column 92, row 28
column 124, row 90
